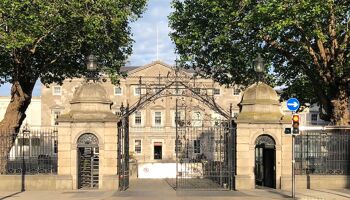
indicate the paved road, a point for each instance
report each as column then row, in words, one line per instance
column 160, row 189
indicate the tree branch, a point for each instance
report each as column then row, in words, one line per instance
column 17, row 90
column 37, row 42
column 54, row 60
column 15, row 58
column 332, row 31
column 307, row 47
column 315, row 80
column 343, row 46
column 323, row 54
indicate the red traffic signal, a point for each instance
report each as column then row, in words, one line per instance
column 295, row 124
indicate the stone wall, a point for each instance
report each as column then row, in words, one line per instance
column 67, row 153
column 48, row 182
column 318, row 181
column 51, row 182
column 32, row 182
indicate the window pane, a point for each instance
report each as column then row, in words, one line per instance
column 216, row 91
column 236, row 91
column 138, row 119
column 197, row 146
column 117, row 90
column 57, row 90
column 54, row 116
column 138, row 146
column 157, row 118
column 197, row 90
column 137, row 91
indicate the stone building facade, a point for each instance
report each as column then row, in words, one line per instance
column 33, row 113
column 152, row 128
column 262, row 148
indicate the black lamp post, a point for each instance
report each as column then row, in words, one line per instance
column 259, row 67
column 91, row 65
column 25, row 134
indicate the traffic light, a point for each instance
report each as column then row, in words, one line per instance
column 295, row 124
column 288, row 131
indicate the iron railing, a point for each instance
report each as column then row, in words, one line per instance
column 205, row 156
column 324, row 152
column 123, row 151
column 32, row 152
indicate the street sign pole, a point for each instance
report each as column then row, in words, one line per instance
column 293, row 105
column 293, row 163
column 293, row 166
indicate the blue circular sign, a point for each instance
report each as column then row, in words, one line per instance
column 293, row 104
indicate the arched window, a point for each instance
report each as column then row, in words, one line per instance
column 265, row 140
column 87, row 140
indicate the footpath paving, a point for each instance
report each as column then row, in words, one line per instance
column 160, row 189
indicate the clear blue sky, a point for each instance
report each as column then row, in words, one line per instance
column 145, row 35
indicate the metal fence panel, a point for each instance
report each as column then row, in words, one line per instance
column 205, row 157
column 34, row 151
column 323, row 152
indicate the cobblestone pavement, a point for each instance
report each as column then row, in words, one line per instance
column 160, row 189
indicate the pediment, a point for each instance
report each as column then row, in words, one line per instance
column 57, row 107
column 157, row 107
column 154, row 69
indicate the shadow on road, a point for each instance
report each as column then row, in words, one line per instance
column 171, row 183
column 11, row 195
column 330, row 192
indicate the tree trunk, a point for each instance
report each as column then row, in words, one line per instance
column 21, row 95
column 340, row 107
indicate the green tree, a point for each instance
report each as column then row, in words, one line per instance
column 50, row 40
column 305, row 44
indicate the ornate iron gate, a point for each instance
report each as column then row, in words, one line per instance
column 205, row 150
column 88, row 161
column 123, row 150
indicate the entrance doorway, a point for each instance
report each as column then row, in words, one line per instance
column 204, row 144
column 157, row 149
column 265, row 165
column 88, row 162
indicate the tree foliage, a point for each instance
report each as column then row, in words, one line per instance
column 50, row 40
column 304, row 43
